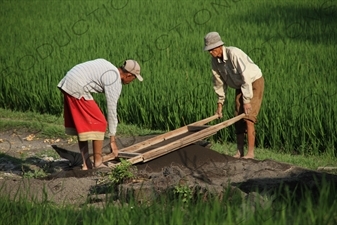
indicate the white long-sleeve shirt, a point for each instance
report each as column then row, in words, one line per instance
column 235, row 70
column 95, row 76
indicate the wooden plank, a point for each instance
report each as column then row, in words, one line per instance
column 168, row 135
column 197, row 128
column 190, row 139
column 136, row 159
column 128, row 155
column 160, row 138
column 155, row 153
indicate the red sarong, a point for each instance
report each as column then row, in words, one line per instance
column 83, row 118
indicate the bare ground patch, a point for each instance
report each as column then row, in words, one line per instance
column 33, row 169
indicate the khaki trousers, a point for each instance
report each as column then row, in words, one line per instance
column 256, row 101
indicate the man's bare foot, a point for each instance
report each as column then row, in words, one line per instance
column 238, row 155
column 84, row 167
column 248, row 156
column 115, row 152
column 87, row 165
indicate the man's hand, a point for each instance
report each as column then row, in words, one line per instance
column 219, row 110
column 113, row 146
column 248, row 108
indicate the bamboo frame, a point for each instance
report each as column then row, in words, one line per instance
column 192, row 137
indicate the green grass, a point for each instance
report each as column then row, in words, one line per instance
column 293, row 43
column 50, row 126
column 303, row 160
column 279, row 209
column 41, row 125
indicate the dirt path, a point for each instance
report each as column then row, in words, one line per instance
column 194, row 166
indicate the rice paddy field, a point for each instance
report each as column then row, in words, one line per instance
column 293, row 42
column 283, row 208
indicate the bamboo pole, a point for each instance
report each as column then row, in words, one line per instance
column 155, row 153
column 155, row 140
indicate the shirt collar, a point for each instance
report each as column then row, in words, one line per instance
column 224, row 55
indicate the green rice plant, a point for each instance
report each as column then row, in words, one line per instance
column 122, row 172
column 292, row 42
column 285, row 206
column 184, row 192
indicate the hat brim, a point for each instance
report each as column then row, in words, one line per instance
column 139, row 77
column 210, row 47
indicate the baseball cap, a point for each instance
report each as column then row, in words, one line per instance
column 133, row 67
column 212, row 40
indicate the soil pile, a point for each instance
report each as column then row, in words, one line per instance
column 194, row 166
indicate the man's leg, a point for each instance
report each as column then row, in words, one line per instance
column 250, row 139
column 240, row 126
column 69, row 109
column 84, row 149
column 256, row 101
column 240, row 142
column 88, row 110
column 97, row 146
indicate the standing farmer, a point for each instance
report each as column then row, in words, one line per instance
column 82, row 116
column 231, row 67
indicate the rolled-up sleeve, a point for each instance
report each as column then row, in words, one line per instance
column 247, row 92
column 219, row 87
column 112, row 100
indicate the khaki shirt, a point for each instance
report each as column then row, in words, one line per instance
column 235, row 70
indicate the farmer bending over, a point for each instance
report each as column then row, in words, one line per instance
column 82, row 116
column 231, row 67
